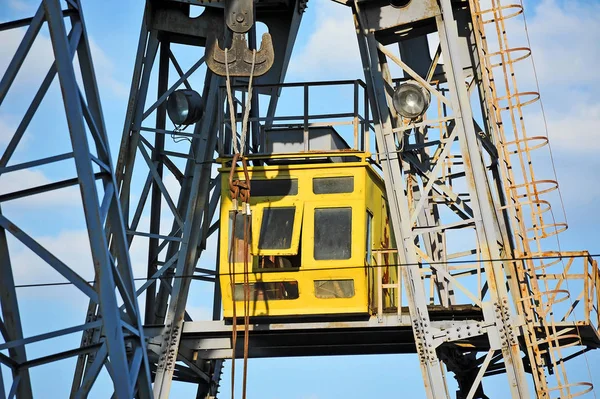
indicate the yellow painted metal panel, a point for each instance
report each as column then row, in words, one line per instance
column 368, row 192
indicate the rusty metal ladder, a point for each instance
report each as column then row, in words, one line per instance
column 382, row 286
column 524, row 195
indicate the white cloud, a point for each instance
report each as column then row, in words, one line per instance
column 331, row 51
column 18, row 5
column 37, row 62
column 574, row 128
column 41, row 56
column 8, row 126
column 71, row 247
column 564, row 37
column 106, row 72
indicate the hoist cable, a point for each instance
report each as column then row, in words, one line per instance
column 240, row 191
column 348, row 267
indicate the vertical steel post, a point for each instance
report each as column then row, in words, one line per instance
column 484, row 212
column 124, row 378
column 431, row 367
column 205, row 146
column 11, row 318
column 156, row 200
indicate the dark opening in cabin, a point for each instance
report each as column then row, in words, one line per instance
column 333, row 185
column 333, row 233
column 276, row 228
column 268, row 291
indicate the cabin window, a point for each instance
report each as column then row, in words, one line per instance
column 333, row 233
column 274, row 263
column 277, row 231
column 276, row 228
column 268, row 291
column 274, row 187
column 333, row 185
column 328, row 289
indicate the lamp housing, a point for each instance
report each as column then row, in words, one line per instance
column 411, row 99
column 184, row 107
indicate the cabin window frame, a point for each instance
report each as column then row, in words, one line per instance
column 319, row 285
column 336, row 183
column 369, row 238
column 350, row 224
column 289, row 286
column 257, row 223
column 294, row 186
column 238, row 256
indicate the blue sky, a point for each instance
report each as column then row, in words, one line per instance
column 564, row 37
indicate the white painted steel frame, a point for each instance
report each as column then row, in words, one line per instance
column 483, row 212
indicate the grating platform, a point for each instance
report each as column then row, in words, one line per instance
column 358, row 335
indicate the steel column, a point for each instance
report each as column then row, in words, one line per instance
column 114, row 279
column 485, row 214
column 191, row 237
column 431, row 367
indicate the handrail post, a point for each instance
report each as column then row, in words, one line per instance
column 379, row 289
column 306, row 135
column 355, row 120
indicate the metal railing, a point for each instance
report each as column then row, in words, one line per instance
column 358, row 118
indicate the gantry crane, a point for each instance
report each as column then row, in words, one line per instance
column 480, row 288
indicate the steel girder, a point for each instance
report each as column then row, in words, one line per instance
column 120, row 346
column 432, row 168
column 173, row 254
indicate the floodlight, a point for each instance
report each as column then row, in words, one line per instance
column 411, row 99
column 184, row 107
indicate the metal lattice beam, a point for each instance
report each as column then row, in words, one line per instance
column 122, row 342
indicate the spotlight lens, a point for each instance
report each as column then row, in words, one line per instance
column 411, row 100
column 184, row 107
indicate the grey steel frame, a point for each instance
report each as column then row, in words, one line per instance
column 191, row 218
column 121, row 348
column 173, row 258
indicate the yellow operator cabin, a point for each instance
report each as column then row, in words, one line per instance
column 316, row 219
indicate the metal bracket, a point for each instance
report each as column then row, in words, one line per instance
column 505, row 330
column 239, row 18
column 424, row 341
column 433, row 337
column 459, row 332
column 239, row 15
column 239, row 57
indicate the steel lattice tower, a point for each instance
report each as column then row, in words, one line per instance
column 484, row 290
